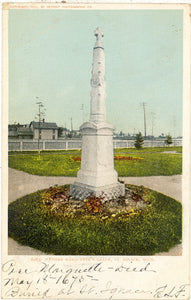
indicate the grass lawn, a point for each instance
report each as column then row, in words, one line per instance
column 178, row 149
column 155, row 229
column 53, row 163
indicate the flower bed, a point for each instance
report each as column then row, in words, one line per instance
column 57, row 201
column 116, row 157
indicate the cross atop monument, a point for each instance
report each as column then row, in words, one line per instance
column 99, row 35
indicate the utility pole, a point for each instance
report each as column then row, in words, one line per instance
column 71, row 125
column 144, row 113
column 66, row 130
column 39, row 116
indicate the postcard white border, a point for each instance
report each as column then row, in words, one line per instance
column 170, row 268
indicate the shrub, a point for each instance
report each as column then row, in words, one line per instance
column 168, row 140
column 139, row 140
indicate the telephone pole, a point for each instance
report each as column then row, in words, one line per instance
column 144, row 113
column 39, row 116
column 71, row 125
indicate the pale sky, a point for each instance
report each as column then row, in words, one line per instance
column 50, row 57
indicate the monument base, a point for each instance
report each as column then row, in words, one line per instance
column 82, row 191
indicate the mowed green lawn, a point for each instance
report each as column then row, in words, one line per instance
column 153, row 162
column 155, row 229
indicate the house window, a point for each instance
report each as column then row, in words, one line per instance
column 53, row 131
column 53, row 137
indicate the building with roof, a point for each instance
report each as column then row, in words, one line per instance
column 25, row 133
column 17, row 131
column 12, row 131
column 44, row 130
column 35, row 130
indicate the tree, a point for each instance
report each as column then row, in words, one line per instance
column 139, row 140
column 168, row 140
column 70, row 134
column 60, row 131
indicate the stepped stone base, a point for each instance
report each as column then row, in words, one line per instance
column 82, row 191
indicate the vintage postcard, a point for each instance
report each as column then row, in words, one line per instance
column 96, row 151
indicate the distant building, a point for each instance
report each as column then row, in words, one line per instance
column 17, row 131
column 35, row 130
column 25, row 132
column 44, row 130
column 13, row 131
column 64, row 133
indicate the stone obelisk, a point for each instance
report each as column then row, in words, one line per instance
column 97, row 174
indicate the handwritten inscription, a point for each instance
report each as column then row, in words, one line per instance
column 171, row 292
column 50, row 280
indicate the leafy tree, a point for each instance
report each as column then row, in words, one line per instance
column 139, row 140
column 70, row 134
column 168, row 140
column 60, row 131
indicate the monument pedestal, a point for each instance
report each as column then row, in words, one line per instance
column 112, row 191
column 97, row 175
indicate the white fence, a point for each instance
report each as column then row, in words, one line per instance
column 61, row 144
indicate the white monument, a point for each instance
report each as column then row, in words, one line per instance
column 97, row 174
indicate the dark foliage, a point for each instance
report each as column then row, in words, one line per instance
column 139, row 140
